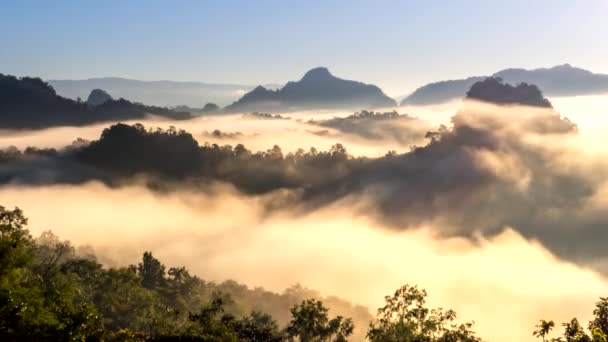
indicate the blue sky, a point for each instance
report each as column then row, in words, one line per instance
column 397, row 45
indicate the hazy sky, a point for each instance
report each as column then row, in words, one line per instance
column 397, row 45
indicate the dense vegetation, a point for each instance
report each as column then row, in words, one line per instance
column 494, row 90
column 175, row 155
column 49, row 291
column 574, row 332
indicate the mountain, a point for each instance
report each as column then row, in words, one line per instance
column 98, row 97
column 158, row 93
column 441, row 91
column 561, row 80
column 31, row 103
column 317, row 89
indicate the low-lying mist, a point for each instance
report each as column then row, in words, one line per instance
column 336, row 250
column 291, row 132
column 500, row 213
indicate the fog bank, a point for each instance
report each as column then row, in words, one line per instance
column 505, row 283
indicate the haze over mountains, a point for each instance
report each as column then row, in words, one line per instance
column 31, row 103
column 561, row 80
column 158, row 93
column 320, row 89
column 316, row 90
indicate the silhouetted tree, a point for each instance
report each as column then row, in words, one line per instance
column 543, row 328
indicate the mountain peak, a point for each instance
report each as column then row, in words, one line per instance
column 98, row 97
column 259, row 89
column 563, row 66
column 318, row 89
column 320, row 73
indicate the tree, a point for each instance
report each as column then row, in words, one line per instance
column 257, row 327
column 598, row 335
column 405, row 318
column 543, row 328
column 151, row 271
column 37, row 300
column 15, row 241
column 214, row 327
column 601, row 316
column 574, row 332
column 310, row 323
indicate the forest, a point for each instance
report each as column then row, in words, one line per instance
column 50, row 291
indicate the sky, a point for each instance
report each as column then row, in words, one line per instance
column 397, row 45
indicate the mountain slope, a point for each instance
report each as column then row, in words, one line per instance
column 561, row 80
column 317, row 89
column 158, row 93
column 441, row 91
column 31, row 103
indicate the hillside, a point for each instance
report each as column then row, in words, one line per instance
column 158, row 93
column 31, row 103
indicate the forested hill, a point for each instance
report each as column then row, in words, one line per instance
column 494, row 90
column 31, row 103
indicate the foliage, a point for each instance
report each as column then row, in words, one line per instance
column 173, row 154
column 49, row 292
column 574, row 332
column 310, row 323
column 494, row 90
column 406, row 318
column 543, row 328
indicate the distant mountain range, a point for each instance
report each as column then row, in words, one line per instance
column 562, row 80
column 31, row 103
column 317, row 89
column 158, row 93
